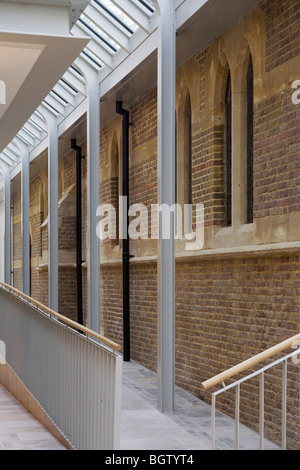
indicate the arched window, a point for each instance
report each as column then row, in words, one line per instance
column 188, row 156
column 228, row 151
column 115, row 183
column 183, row 162
column 249, row 121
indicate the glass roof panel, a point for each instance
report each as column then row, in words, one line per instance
column 119, row 15
column 148, row 4
column 109, row 40
column 92, row 57
column 94, row 28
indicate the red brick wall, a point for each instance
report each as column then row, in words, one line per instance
column 17, row 240
column 36, row 219
column 226, row 309
column 276, row 156
column 143, row 115
column 282, row 28
column 111, row 302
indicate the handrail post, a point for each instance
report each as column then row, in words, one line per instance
column 261, row 411
column 284, row 387
column 213, row 422
column 237, row 416
column 261, row 399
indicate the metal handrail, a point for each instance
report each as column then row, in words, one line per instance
column 294, row 341
column 60, row 317
column 237, row 385
column 76, row 378
column 242, row 366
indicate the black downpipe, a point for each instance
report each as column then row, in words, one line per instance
column 126, row 254
column 79, row 260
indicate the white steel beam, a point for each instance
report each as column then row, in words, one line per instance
column 75, row 81
column 39, row 122
column 51, row 120
column 103, row 52
column 51, row 100
column 7, row 160
column 93, row 193
column 13, row 149
column 7, row 228
column 166, row 195
column 8, row 153
column 7, row 238
column 65, row 94
column 28, row 138
column 34, row 130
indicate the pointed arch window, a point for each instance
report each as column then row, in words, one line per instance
column 249, row 124
column 228, row 151
column 115, row 184
column 189, row 194
column 183, row 160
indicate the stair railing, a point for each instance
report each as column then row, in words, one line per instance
column 293, row 342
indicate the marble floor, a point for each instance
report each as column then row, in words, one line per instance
column 19, row 430
column 143, row 427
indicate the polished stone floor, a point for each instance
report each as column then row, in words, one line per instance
column 19, row 430
column 143, row 427
column 187, row 428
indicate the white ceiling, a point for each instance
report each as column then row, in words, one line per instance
column 75, row 7
column 32, row 62
column 19, row 60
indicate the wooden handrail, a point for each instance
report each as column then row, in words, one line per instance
column 62, row 318
column 250, row 362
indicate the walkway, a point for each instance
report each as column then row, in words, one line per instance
column 19, row 430
column 188, row 428
column 142, row 426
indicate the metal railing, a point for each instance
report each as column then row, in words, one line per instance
column 293, row 342
column 74, row 373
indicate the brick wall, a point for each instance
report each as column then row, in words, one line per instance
column 143, row 115
column 282, row 28
column 111, row 302
column 276, row 154
column 207, row 156
column 227, row 309
column 17, row 240
column 208, row 174
column 36, row 219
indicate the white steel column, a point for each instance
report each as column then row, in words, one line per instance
column 7, row 233
column 24, row 152
column 51, row 121
column 166, row 195
column 93, row 192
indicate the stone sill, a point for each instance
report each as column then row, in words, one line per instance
column 217, row 253
column 44, row 266
column 213, row 253
column 242, row 251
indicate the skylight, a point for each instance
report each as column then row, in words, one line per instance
column 119, row 14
